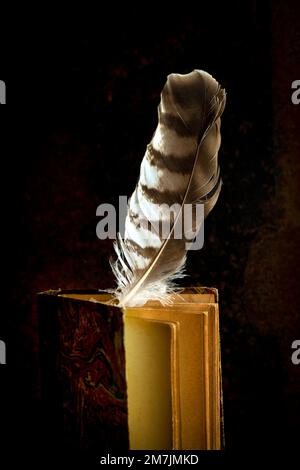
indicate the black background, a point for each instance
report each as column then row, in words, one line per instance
column 81, row 107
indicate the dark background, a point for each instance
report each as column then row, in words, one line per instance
column 81, row 108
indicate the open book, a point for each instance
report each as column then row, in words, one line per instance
column 140, row 378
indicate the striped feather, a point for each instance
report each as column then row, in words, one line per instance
column 180, row 167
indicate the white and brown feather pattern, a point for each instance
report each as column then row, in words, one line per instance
column 180, row 167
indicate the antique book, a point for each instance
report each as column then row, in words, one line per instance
column 133, row 378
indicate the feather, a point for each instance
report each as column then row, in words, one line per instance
column 179, row 169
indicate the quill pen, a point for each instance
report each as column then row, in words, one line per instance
column 179, row 169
